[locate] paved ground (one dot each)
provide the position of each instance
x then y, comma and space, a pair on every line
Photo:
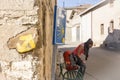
102, 64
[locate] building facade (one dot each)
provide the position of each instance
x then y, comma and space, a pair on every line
100, 20
73, 23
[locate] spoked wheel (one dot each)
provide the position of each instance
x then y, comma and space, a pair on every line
72, 75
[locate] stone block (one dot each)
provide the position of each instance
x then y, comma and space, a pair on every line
4, 66
2, 21
2, 76
16, 4
25, 41
14, 14
21, 69
1, 14
7, 31
22, 65
11, 14
29, 20
17, 69
32, 12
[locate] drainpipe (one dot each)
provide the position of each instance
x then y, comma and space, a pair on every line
54, 47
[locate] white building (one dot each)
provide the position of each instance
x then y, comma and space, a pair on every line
100, 20
73, 23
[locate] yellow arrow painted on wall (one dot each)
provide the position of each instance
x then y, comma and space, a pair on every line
27, 45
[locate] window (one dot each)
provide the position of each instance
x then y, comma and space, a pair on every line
78, 33
102, 29
67, 21
111, 3
111, 27
119, 22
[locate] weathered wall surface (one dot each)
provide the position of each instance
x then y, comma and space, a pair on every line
45, 27
16, 17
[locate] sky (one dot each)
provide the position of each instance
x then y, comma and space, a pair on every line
72, 3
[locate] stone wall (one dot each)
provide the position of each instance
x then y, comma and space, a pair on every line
17, 17
45, 27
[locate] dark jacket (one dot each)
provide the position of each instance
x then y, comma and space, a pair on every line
86, 47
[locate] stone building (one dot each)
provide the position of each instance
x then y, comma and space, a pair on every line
26, 39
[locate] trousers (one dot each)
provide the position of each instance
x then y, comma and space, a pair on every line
75, 60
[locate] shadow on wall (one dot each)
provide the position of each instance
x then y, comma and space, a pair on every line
112, 41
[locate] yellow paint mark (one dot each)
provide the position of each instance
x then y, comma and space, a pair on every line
62, 31
63, 40
27, 45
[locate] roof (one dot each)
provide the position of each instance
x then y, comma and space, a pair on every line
94, 6
79, 7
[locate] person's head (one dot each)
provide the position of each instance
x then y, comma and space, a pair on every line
89, 43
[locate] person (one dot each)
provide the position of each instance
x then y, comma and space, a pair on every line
82, 49
67, 60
